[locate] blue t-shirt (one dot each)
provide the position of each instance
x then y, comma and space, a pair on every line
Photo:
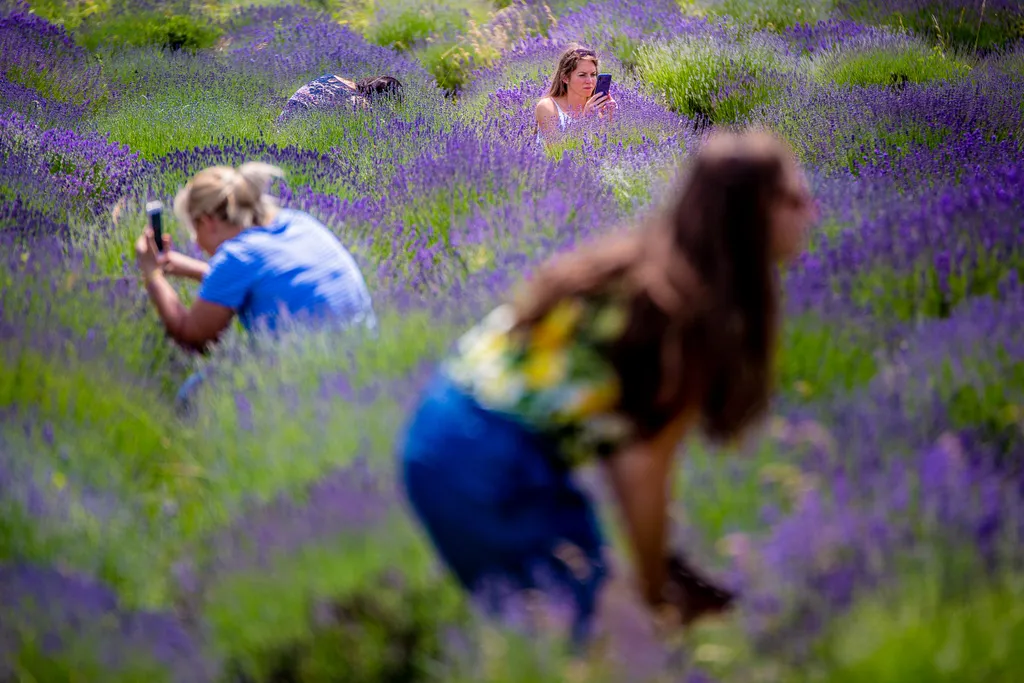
294, 266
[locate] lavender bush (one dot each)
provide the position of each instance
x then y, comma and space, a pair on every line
43, 56
873, 523
886, 60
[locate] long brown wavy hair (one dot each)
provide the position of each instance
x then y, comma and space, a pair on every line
701, 287
567, 62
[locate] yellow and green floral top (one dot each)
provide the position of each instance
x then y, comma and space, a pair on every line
553, 377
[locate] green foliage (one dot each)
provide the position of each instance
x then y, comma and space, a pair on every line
990, 403
961, 24
59, 87
920, 294
771, 14
914, 62
68, 14
403, 25
190, 104
727, 496
448, 62
384, 628
81, 662
817, 359
637, 186
917, 633
702, 78
153, 28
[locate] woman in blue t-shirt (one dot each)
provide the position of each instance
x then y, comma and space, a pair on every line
267, 263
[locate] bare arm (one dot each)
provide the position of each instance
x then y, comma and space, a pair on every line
547, 118
193, 328
185, 266
641, 481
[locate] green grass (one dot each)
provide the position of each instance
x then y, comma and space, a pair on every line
954, 25
403, 25
769, 14
696, 77
915, 62
137, 29
819, 358
723, 493
80, 662
255, 612
199, 106
918, 294
917, 634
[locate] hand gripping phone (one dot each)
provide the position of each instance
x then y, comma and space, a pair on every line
155, 212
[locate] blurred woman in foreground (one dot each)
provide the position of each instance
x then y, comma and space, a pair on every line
613, 353
267, 263
571, 95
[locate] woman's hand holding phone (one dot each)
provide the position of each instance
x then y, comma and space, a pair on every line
169, 262
149, 257
599, 103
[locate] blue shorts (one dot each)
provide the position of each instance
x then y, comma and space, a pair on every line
498, 510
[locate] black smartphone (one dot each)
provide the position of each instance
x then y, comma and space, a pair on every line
155, 212
604, 83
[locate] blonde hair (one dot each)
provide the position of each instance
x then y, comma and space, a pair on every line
571, 57
236, 196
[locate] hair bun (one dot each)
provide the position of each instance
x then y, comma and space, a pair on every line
260, 174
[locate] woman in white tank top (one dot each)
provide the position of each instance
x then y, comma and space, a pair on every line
571, 94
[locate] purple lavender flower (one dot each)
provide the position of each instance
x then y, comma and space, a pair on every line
294, 46
63, 612
74, 169
43, 56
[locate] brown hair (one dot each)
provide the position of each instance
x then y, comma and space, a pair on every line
571, 57
701, 289
381, 86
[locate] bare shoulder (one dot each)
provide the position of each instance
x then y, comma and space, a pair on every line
545, 106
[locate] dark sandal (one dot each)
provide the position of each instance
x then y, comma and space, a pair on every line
699, 596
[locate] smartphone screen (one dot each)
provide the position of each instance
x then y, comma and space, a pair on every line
604, 83
155, 212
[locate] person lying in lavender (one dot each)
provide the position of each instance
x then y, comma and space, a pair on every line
613, 353
571, 95
331, 91
266, 264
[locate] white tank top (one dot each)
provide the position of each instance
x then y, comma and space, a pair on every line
563, 122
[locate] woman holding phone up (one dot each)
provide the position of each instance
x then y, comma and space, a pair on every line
613, 354
571, 95
267, 263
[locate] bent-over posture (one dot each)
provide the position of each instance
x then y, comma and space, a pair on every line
613, 353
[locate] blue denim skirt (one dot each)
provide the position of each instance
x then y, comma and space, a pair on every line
497, 507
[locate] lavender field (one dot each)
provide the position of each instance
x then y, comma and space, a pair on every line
873, 527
